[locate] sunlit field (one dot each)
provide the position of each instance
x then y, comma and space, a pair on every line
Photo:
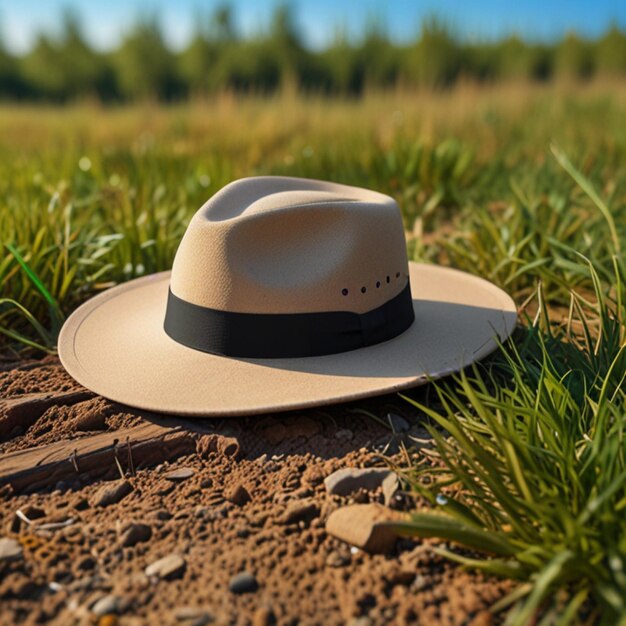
522, 184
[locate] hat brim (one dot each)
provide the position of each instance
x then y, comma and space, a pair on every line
115, 345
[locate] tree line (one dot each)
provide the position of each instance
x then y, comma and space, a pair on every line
218, 58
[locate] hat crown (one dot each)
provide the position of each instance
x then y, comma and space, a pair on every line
291, 245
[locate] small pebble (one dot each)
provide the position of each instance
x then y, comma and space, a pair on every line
178, 475
336, 559
238, 495
193, 616
244, 582
346, 481
108, 605
391, 484
364, 526
10, 550
344, 434
162, 515
170, 566
112, 494
135, 533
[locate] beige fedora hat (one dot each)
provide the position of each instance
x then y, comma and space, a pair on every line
285, 293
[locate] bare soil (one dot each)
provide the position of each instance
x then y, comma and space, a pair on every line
249, 497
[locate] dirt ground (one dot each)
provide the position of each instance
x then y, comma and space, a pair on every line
237, 505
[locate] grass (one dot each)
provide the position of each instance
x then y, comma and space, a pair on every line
531, 474
524, 185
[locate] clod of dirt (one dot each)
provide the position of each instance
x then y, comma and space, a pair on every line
363, 526
226, 446
91, 415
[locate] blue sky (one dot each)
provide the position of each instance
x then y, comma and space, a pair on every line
105, 21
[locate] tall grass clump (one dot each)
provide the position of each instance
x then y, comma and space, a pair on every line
528, 465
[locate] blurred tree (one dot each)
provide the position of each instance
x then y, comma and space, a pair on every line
341, 65
573, 58
42, 69
199, 61
378, 57
516, 60
145, 67
478, 61
285, 46
435, 60
11, 82
217, 58
84, 71
611, 52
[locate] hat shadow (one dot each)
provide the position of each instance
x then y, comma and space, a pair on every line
378, 425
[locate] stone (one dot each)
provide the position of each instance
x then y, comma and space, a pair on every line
299, 512
398, 424
180, 474
347, 480
344, 434
192, 616
112, 494
161, 515
10, 550
364, 526
237, 494
336, 559
244, 582
108, 605
135, 533
360, 621
391, 484
170, 566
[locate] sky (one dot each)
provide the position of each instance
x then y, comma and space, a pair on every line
106, 21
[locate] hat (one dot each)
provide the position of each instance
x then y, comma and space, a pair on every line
285, 293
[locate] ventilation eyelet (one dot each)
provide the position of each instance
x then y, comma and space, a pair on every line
397, 274
363, 289
377, 284
344, 291
388, 279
